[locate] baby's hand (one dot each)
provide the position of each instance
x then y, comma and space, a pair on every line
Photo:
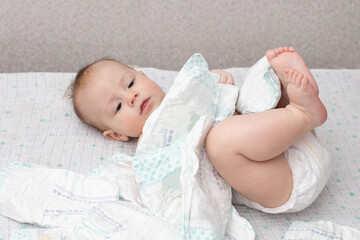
225, 77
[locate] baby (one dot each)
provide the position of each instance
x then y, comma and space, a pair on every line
254, 153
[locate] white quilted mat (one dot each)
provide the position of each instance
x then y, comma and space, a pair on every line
37, 125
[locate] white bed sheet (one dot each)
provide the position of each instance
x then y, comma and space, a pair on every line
38, 125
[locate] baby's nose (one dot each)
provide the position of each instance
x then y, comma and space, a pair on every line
132, 97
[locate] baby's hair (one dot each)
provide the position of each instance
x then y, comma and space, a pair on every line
80, 81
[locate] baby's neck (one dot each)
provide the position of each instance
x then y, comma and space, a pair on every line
137, 144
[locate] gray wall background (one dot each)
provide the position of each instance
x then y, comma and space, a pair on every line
43, 35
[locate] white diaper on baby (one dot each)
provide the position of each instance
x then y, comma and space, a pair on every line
311, 168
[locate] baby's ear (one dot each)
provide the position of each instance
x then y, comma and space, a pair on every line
110, 134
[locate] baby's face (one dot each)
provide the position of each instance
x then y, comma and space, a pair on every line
118, 99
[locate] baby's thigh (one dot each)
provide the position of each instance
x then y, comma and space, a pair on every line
267, 182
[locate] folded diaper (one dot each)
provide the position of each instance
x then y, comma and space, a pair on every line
261, 89
311, 168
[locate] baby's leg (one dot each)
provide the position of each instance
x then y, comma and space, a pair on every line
247, 150
268, 183
265, 135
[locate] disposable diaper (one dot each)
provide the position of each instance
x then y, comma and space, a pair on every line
171, 160
261, 89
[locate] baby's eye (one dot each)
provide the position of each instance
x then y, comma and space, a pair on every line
118, 108
132, 83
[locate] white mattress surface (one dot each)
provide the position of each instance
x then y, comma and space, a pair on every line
38, 125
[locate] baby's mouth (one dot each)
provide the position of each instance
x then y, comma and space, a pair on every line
145, 105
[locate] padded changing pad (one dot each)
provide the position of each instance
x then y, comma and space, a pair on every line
38, 125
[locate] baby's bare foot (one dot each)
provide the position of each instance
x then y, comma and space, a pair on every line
304, 98
286, 57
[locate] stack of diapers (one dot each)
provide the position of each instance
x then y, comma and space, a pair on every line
169, 189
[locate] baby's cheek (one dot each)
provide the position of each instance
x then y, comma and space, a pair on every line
136, 127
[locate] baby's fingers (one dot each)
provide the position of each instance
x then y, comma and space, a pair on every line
223, 78
226, 78
229, 79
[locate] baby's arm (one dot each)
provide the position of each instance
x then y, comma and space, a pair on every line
225, 77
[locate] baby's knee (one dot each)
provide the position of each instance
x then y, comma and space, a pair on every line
217, 142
